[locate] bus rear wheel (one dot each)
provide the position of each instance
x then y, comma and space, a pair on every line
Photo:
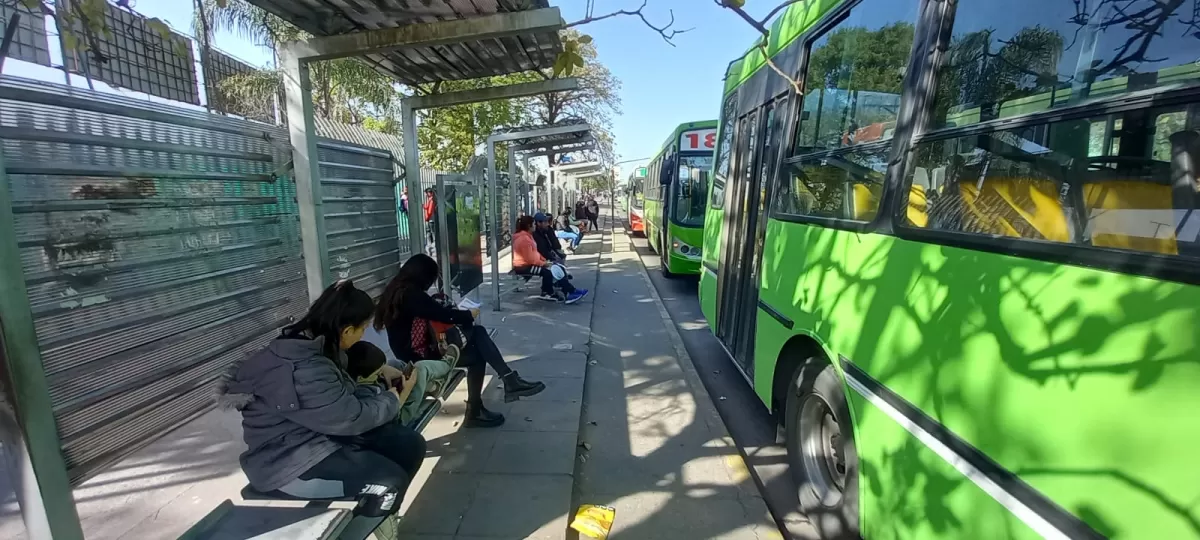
821, 452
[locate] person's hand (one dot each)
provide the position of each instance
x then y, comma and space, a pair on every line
390, 374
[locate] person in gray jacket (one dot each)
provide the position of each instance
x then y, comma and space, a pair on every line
312, 432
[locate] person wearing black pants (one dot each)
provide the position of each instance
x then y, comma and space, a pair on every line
406, 310
313, 433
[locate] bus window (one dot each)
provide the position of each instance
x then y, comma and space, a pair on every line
1105, 182
691, 191
1047, 55
847, 186
854, 77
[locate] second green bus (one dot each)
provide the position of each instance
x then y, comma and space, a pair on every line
677, 194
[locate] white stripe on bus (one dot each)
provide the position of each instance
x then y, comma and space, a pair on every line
1027, 515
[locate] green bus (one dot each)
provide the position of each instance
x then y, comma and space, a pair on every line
677, 197
957, 255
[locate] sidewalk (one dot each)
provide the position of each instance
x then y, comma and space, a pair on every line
619, 424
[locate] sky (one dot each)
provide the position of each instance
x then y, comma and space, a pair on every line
662, 85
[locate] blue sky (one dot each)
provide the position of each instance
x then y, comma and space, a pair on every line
662, 86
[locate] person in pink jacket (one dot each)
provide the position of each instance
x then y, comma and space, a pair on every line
526, 261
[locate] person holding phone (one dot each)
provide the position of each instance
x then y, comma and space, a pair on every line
310, 431
407, 310
366, 363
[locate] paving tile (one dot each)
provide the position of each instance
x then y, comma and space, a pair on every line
519, 506
533, 453
440, 505
464, 451
543, 416
571, 364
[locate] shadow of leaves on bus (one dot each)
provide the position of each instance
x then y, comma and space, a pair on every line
1036, 364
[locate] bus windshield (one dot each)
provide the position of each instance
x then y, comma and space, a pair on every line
691, 189
635, 193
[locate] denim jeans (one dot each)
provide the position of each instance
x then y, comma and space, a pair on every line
573, 238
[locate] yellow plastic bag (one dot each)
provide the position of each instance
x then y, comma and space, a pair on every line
594, 520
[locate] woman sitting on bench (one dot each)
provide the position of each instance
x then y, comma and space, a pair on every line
527, 261
312, 432
406, 309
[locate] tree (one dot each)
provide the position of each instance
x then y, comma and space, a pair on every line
595, 102
346, 89
450, 136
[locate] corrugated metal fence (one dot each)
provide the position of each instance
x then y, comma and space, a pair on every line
360, 204
159, 246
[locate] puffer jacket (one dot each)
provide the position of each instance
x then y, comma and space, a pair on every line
294, 402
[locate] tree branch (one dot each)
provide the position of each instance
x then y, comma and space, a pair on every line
666, 32
761, 26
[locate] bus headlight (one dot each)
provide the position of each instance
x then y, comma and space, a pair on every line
692, 252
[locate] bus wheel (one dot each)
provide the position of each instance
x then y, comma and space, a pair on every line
821, 453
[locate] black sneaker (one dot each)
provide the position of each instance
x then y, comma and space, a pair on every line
480, 417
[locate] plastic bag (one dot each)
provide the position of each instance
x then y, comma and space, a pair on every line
594, 520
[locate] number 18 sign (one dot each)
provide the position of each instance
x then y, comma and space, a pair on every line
698, 139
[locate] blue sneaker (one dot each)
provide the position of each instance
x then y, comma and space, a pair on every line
576, 296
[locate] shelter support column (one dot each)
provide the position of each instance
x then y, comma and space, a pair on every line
306, 169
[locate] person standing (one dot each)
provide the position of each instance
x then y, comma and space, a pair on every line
581, 215
593, 212
430, 208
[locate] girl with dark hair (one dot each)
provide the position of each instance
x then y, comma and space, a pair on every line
406, 309
311, 432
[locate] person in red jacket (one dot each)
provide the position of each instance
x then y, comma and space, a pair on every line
526, 261
430, 224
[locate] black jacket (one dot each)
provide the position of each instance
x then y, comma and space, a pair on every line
419, 304
547, 242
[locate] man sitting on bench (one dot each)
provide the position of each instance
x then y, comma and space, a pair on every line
547, 239
527, 260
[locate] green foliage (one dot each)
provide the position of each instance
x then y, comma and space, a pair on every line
856, 58
345, 90
572, 55
450, 136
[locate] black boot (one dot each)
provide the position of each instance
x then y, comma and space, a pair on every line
480, 417
515, 387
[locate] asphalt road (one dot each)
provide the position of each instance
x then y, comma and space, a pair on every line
748, 420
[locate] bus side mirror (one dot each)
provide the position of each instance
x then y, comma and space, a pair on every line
664, 177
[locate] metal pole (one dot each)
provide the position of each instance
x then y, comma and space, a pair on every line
531, 180
412, 179
43, 487
443, 233
306, 170
494, 241
512, 189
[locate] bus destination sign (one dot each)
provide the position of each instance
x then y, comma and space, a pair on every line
698, 140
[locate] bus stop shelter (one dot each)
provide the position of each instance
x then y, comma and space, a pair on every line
415, 43
422, 43
547, 140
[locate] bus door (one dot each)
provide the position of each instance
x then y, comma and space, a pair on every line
734, 215
756, 229
739, 292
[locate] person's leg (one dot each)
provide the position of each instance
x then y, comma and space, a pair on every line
399, 443
477, 415
514, 386
377, 482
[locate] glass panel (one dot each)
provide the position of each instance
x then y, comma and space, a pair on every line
692, 189
847, 186
1011, 57
1050, 183
724, 150
855, 74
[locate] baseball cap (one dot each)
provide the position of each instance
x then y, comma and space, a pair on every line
540, 217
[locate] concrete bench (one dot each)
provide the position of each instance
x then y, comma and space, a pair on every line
260, 516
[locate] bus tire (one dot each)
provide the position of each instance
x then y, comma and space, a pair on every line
821, 452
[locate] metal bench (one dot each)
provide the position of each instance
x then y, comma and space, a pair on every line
324, 519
